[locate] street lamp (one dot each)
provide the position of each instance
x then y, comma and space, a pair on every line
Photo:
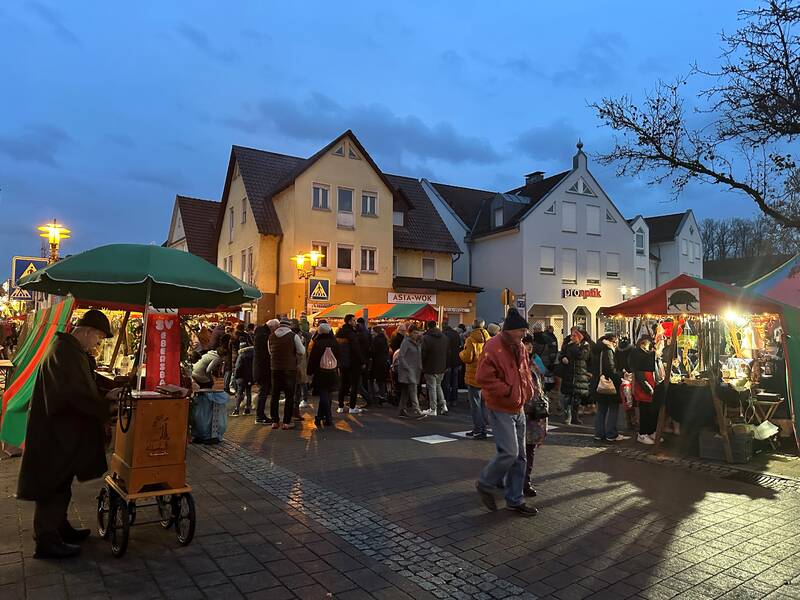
631, 291
54, 234
307, 264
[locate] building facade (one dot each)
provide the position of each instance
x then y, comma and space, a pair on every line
193, 227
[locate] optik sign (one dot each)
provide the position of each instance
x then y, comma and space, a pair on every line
583, 294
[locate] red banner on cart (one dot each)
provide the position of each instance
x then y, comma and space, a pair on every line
163, 350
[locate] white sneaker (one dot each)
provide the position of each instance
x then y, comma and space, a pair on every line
645, 439
429, 413
356, 411
341, 410
619, 438
304, 404
652, 436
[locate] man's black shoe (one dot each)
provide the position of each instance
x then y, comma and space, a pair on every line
55, 548
487, 497
264, 421
470, 433
479, 436
70, 535
524, 510
529, 492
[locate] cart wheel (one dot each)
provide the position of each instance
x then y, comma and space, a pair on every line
185, 519
104, 500
119, 527
131, 512
165, 511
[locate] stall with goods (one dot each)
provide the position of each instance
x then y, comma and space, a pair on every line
148, 463
727, 364
389, 316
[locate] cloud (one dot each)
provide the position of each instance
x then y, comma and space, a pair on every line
201, 41
121, 139
157, 177
598, 61
256, 36
552, 142
320, 118
37, 143
54, 20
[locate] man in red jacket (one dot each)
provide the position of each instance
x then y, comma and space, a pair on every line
505, 380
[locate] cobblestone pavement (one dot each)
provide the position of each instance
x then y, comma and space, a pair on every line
364, 511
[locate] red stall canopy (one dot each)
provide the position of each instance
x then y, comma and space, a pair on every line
692, 295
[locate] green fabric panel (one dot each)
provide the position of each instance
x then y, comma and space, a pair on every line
791, 325
402, 311
340, 311
121, 273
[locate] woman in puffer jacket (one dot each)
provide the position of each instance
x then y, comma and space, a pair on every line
574, 359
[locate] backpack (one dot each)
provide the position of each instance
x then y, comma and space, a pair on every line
328, 361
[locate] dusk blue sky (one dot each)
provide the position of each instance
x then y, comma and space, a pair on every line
110, 109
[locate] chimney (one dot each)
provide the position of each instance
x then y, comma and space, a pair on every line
534, 177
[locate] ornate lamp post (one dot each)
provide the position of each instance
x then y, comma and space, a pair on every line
54, 234
307, 264
629, 291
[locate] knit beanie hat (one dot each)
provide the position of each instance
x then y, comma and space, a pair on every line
514, 320
324, 328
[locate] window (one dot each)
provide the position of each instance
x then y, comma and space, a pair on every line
569, 265
429, 268
593, 267
250, 277
498, 217
698, 252
568, 212
352, 153
230, 225
547, 260
344, 264
612, 265
592, 219
320, 197
639, 242
369, 204
344, 208
244, 211
398, 218
641, 279
339, 151
368, 260
551, 210
609, 217
243, 267
322, 248
394, 266
684, 247
228, 264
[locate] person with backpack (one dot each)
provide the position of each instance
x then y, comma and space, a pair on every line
323, 362
469, 356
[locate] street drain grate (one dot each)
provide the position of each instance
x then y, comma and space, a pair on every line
766, 481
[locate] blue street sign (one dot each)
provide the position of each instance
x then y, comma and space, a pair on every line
319, 290
20, 295
25, 265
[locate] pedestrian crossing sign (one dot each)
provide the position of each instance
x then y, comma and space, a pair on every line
25, 265
20, 295
320, 289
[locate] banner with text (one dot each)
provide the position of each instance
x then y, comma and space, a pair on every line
411, 298
163, 350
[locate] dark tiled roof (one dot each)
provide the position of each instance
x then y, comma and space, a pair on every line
466, 202
424, 228
664, 228
433, 284
741, 271
199, 218
536, 190
261, 173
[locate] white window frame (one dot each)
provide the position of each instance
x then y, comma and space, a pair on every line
244, 211
589, 208
350, 272
638, 234
551, 210
325, 247
565, 272
544, 269
250, 273
340, 189
589, 279
365, 195
231, 217
609, 273
564, 210
402, 218
498, 212
433, 260
684, 247
323, 188
374, 251
243, 266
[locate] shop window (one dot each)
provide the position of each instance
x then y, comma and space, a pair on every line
429, 268
368, 263
569, 267
593, 267
547, 260
319, 197
580, 318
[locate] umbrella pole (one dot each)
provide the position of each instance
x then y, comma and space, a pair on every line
143, 341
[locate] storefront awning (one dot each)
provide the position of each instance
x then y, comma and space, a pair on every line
418, 312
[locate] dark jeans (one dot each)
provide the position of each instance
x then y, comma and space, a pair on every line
450, 385
244, 389
380, 386
263, 394
530, 453
282, 381
50, 514
226, 380
324, 406
648, 417
350, 380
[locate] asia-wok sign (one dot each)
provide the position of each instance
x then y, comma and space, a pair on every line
411, 298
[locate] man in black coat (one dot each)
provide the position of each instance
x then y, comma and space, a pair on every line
65, 436
451, 376
365, 343
435, 348
262, 372
351, 364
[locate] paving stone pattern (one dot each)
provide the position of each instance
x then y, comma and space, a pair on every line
432, 568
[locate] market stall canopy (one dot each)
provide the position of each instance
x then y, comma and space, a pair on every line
122, 275
693, 295
782, 284
418, 312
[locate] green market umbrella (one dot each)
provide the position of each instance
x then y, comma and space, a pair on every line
140, 276
130, 274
